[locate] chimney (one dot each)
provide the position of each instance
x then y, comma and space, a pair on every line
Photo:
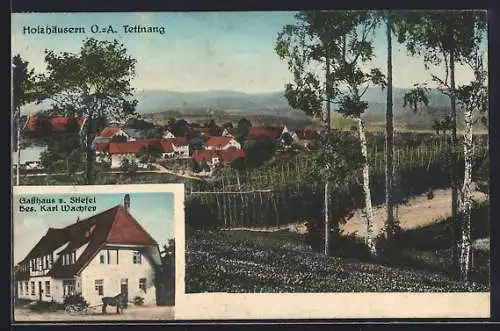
77, 219
126, 202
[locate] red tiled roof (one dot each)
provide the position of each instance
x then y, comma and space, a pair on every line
57, 123
264, 132
112, 226
218, 141
134, 146
109, 132
232, 154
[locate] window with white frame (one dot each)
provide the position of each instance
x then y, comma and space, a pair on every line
39, 263
20, 287
47, 288
33, 288
68, 287
26, 287
142, 284
136, 257
99, 286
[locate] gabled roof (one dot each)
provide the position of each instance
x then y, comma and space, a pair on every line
134, 146
265, 132
57, 123
109, 132
112, 226
218, 141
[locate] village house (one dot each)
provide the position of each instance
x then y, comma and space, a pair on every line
108, 133
128, 150
215, 157
101, 256
307, 138
117, 152
175, 147
56, 124
222, 143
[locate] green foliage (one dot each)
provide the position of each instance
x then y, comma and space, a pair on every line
165, 275
259, 151
129, 166
149, 154
94, 82
243, 129
435, 34
417, 95
23, 82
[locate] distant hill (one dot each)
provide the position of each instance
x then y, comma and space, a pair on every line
272, 105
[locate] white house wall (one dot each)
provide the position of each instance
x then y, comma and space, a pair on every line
111, 274
56, 289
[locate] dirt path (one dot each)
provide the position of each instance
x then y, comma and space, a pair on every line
130, 314
419, 211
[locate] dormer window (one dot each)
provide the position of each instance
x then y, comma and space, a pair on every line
69, 258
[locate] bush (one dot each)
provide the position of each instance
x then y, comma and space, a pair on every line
138, 301
76, 300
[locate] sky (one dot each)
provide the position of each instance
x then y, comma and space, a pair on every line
154, 211
199, 51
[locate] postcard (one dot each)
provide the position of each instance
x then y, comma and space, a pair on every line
95, 253
335, 163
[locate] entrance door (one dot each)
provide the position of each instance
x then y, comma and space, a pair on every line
124, 287
40, 291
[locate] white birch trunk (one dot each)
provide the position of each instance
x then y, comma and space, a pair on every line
327, 225
366, 188
465, 206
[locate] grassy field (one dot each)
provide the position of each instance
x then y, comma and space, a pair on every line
273, 262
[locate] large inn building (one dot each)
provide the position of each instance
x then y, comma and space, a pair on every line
103, 255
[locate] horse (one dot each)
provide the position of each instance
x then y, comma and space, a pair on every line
119, 301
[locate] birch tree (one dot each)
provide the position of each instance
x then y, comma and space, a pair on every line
444, 39
325, 51
352, 75
308, 48
474, 100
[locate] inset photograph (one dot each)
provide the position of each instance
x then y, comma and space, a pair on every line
94, 254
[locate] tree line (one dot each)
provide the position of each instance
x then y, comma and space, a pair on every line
329, 52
